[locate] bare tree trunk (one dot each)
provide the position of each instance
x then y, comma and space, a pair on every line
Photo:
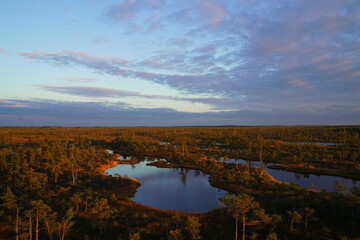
63, 233
236, 227
86, 204
73, 174
4, 160
49, 229
243, 227
30, 228
37, 228
17, 223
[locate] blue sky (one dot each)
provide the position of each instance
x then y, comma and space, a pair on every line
188, 62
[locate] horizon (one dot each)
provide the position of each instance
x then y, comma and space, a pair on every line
177, 126
161, 63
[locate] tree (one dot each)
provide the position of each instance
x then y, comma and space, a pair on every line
65, 225
295, 217
9, 199
175, 234
56, 168
339, 187
354, 197
102, 211
29, 214
242, 206
32, 181
275, 221
9, 202
193, 226
134, 236
76, 199
42, 213
272, 236
308, 212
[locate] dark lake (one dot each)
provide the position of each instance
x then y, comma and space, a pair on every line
170, 188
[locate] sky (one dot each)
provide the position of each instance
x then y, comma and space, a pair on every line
179, 62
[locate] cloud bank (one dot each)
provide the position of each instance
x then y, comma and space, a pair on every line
22, 112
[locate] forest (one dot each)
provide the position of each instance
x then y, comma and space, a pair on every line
53, 184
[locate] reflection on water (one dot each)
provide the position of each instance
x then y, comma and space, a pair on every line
312, 181
169, 188
109, 151
127, 158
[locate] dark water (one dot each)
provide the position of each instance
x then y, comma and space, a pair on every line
168, 188
312, 181
317, 143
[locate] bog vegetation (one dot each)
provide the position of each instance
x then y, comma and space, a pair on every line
53, 186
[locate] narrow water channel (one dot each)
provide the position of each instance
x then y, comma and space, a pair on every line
313, 181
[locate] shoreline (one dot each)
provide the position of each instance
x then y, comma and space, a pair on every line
103, 167
113, 163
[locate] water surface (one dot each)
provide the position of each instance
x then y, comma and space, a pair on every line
170, 188
318, 143
190, 191
312, 181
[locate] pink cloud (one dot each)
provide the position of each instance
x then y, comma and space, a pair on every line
300, 83
214, 13
79, 80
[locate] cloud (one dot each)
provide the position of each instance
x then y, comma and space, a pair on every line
126, 9
100, 40
299, 83
28, 112
2, 51
100, 92
108, 65
79, 80
137, 15
196, 83
180, 41
213, 12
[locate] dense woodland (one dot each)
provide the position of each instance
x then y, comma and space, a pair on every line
53, 186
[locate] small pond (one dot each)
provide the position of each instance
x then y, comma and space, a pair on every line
171, 188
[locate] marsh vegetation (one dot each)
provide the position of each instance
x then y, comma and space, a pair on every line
53, 184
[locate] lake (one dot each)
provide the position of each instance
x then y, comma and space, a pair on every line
190, 191
171, 188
